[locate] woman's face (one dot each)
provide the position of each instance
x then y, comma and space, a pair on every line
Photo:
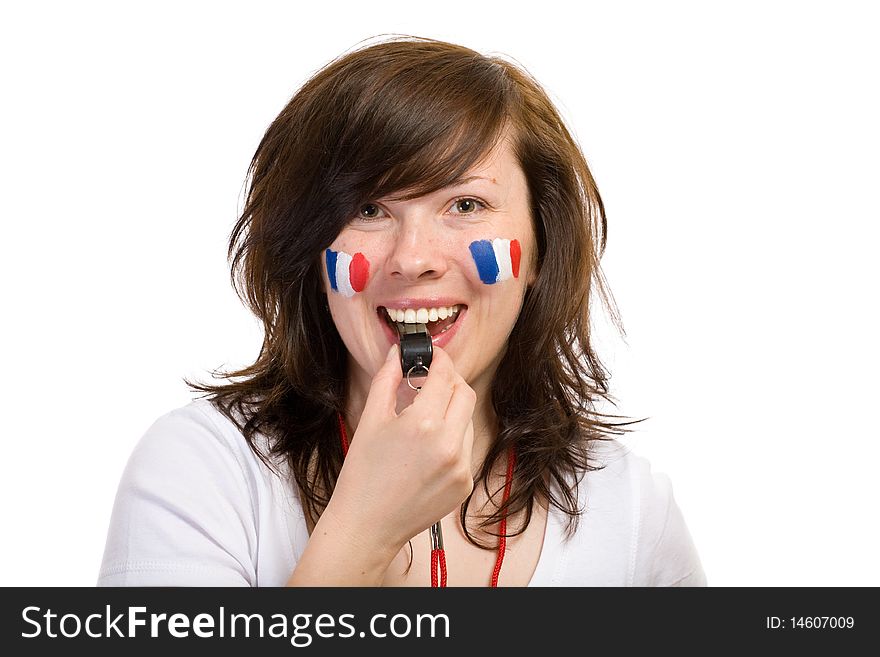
469, 246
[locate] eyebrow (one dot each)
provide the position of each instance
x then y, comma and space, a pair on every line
462, 181
454, 183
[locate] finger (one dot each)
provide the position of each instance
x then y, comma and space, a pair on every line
459, 419
460, 411
437, 386
382, 398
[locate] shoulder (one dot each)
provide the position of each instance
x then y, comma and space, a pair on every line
638, 506
199, 438
197, 425
186, 504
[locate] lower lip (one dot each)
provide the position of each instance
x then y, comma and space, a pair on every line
437, 340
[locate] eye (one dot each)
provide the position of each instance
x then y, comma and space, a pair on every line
468, 205
369, 211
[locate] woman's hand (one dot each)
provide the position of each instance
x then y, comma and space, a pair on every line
404, 472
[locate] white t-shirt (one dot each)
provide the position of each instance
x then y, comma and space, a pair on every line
196, 507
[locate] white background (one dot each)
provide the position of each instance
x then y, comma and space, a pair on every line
736, 148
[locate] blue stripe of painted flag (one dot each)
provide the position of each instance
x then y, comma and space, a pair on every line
484, 256
331, 267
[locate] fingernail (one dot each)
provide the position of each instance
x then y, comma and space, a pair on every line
391, 352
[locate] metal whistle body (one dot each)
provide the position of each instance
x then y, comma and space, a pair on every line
416, 351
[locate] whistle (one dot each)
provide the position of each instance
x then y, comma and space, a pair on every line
416, 351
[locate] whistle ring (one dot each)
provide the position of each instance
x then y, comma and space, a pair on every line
409, 374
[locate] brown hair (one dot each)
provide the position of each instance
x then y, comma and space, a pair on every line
416, 114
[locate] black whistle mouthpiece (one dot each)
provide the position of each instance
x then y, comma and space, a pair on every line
416, 349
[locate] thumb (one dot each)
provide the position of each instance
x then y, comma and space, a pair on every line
382, 398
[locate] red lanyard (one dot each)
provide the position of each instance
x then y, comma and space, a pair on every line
438, 557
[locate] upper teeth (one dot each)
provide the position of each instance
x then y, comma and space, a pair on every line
420, 316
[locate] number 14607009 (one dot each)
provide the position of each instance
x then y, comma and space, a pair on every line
810, 622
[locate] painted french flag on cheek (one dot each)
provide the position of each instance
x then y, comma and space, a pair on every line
348, 274
497, 260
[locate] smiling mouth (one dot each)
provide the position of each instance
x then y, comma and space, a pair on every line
435, 327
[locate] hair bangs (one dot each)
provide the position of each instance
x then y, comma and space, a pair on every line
439, 164
418, 126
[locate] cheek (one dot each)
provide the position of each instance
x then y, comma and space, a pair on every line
348, 273
496, 259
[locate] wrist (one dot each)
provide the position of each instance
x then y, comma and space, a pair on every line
374, 550
339, 554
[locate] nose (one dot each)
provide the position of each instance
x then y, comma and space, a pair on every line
417, 253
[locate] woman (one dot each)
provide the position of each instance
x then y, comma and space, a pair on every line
409, 182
